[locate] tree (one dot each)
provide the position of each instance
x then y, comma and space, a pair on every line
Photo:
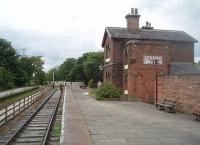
16, 70
26, 63
8, 65
91, 66
38, 63
87, 67
25, 70
83, 69
26, 67
65, 69
21, 77
57, 75
6, 79
8, 56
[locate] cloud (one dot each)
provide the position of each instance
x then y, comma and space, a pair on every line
54, 48
59, 29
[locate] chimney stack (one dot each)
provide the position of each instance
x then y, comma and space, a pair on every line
132, 11
147, 26
133, 20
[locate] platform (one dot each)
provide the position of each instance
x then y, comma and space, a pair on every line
123, 123
74, 131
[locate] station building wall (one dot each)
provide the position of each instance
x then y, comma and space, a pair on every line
182, 88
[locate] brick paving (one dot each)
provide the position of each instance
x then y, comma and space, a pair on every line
125, 123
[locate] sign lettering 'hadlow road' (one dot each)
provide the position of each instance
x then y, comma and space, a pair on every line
151, 59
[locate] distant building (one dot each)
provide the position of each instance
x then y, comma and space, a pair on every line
134, 55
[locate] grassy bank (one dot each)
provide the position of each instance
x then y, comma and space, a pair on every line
11, 99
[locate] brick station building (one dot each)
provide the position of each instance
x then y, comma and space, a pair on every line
134, 55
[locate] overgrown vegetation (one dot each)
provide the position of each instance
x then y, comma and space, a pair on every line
17, 70
108, 91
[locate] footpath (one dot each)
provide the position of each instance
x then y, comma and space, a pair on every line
87, 121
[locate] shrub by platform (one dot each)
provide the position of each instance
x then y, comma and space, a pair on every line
107, 91
91, 83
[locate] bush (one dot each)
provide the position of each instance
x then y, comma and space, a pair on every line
91, 83
107, 91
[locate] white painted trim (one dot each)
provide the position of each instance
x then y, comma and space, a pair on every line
62, 137
125, 92
126, 66
107, 59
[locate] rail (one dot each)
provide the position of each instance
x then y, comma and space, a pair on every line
14, 109
28, 122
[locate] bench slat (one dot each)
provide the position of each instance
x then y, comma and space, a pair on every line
167, 104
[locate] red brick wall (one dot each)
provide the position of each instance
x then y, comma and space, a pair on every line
184, 89
181, 52
117, 51
141, 77
114, 66
109, 42
133, 23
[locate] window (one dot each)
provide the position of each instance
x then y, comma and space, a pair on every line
125, 51
107, 51
125, 77
108, 75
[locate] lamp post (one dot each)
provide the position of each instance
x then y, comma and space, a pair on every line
156, 69
33, 78
53, 79
53, 76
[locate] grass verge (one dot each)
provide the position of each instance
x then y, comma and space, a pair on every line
56, 132
11, 99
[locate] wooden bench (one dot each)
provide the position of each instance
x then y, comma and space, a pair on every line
167, 104
196, 112
160, 105
83, 86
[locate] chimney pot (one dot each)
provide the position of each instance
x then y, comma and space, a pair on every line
132, 11
133, 20
147, 26
147, 23
136, 11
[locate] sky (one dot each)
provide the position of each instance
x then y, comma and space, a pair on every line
60, 29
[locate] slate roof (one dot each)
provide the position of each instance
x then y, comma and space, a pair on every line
180, 68
146, 34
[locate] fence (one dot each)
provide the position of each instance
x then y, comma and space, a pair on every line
14, 109
15, 91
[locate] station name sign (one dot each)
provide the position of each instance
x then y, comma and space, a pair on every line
151, 59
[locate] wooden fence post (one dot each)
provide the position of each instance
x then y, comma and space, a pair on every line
24, 104
13, 110
6, 113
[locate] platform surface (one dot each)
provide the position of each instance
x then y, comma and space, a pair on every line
74, 130
89, 121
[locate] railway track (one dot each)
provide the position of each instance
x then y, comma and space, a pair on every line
35, 131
